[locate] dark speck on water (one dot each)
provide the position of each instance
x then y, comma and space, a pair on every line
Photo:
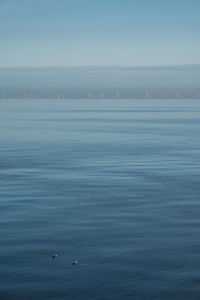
112, 182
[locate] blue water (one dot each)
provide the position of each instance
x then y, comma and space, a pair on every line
114, 184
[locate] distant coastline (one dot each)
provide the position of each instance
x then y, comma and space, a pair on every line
99, 82
75, 93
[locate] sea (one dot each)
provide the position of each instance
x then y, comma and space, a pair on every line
111, 184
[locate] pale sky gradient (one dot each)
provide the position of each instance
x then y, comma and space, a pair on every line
36, 33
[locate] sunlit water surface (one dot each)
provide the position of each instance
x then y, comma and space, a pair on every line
114, 184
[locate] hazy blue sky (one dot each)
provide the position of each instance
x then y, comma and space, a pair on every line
99, 32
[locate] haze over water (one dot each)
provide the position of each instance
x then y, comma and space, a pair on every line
113, 184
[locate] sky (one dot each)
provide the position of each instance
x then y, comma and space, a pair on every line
39, 33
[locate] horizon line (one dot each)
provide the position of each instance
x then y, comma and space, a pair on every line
100, 66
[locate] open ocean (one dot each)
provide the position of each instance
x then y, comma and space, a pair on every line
114, 184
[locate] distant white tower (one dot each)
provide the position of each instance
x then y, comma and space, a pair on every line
162, 95
178, 95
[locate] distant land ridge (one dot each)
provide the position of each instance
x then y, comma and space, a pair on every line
63, 93
98, 82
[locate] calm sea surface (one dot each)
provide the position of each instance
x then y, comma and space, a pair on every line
114, 184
